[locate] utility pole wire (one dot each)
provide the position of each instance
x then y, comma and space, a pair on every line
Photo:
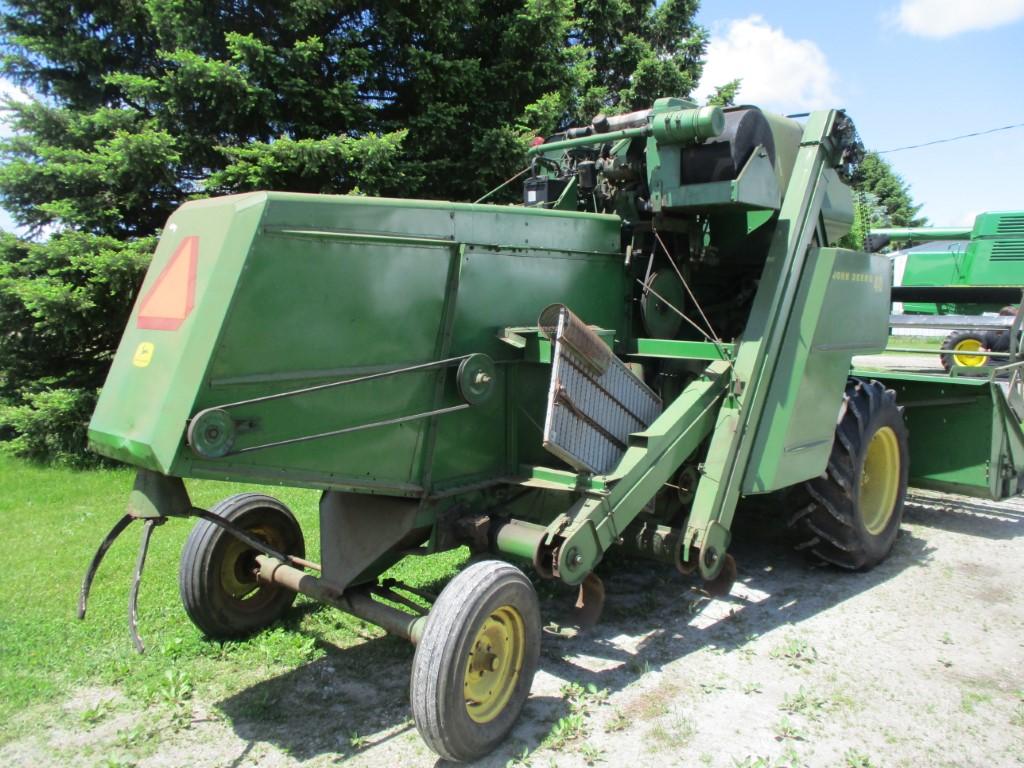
952, 138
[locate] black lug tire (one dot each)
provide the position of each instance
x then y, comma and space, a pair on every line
826, 521
211, 607
439, 666
956, 337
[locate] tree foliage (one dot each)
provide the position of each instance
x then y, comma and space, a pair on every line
881, 199
140, 105
725, 95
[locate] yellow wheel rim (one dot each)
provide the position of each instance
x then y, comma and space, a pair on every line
494, 664
238, 564
968, 345
880, 480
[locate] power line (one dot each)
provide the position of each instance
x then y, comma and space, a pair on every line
953, 138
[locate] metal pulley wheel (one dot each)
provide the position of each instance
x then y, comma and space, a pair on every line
661, 321
211, 434
686, 484
476, 376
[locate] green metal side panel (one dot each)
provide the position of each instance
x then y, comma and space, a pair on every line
1008, 224
963, 436
996, 262
142, 410
935, 268
836, 207
315, 289
994, 256
841, 310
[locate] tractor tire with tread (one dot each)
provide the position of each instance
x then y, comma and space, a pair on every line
217, 576
475, 662
957, 348
850, 515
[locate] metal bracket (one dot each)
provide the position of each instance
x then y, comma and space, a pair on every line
153, 500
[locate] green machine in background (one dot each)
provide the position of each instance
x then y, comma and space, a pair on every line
980, 406
988, 253
660, 330
969, 271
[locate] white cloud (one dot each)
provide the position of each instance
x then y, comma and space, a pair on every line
12, 91
945, 18
778, 72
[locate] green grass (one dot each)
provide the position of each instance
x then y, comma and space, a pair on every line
923, 343
52, 520
916, 342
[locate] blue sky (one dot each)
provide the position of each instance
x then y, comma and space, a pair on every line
907, 71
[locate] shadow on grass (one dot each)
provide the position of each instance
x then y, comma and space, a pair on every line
356, 698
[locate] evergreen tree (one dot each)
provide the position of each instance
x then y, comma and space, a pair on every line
725, 95
140, 105
881, 199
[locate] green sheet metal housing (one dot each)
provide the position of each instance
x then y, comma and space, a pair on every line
993, 255
842, 303
298, 290
965, 437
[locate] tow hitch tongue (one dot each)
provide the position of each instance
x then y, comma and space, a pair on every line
140, 561
154, 499
149, 523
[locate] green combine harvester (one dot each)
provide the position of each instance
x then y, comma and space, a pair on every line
660, 330
969, 272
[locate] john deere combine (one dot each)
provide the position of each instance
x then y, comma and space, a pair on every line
969, 272
660, 330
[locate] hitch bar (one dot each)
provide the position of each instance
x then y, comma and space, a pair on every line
274, 568
149, 523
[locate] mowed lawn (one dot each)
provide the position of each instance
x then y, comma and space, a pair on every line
52, 519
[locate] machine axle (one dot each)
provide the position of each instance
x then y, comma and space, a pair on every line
354, 601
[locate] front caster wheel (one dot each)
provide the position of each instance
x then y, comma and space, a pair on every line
475, 661
218, 571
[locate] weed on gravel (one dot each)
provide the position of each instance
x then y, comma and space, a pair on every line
795, 652
673, 735
805, 703
854, 758
582, 700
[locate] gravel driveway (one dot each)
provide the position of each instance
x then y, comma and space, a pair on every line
917, 663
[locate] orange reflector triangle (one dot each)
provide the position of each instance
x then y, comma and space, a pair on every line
173, 294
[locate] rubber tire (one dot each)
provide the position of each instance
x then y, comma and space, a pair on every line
216, 613
950, 342
438, 669
827, 524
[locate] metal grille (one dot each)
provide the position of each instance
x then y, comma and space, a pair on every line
594, 401
1008, 249
1010, 225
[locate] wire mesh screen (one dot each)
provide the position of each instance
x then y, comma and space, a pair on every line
594, 402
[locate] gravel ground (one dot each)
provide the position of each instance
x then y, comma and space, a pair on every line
896, 362
917, 663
